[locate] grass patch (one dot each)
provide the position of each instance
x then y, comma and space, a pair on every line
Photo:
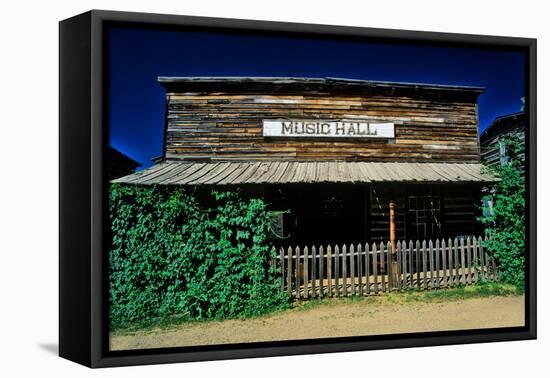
485, 289
479, 290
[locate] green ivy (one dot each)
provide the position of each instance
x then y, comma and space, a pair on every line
172, 256
506, 226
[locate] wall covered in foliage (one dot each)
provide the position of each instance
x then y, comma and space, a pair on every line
506, 226
171, 255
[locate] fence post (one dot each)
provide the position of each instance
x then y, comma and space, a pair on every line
299, 271
462, 262
456, 278
437, 251
383, 269
424, 266
392, 273
404, 261
431, 254
306, 271
282, 258
345, 271
352, 267
367, 268
360, 286
321, 271
375, 267
417, 256
337, 270
476, 258
411, 262
481, 257
313, 272
289, 272
329, 270
444, 262
389, 269
469, 260
399, 265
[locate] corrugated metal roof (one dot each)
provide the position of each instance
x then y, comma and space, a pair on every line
284, 172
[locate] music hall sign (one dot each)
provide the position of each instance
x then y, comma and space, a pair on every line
327, 129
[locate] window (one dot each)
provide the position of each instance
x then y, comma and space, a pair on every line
423, 217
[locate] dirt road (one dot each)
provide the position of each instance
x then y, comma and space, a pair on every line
337, 319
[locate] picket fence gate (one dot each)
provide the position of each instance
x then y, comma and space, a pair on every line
363, 269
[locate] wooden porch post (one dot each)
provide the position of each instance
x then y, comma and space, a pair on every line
393, 273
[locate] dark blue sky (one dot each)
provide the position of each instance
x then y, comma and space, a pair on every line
137, 57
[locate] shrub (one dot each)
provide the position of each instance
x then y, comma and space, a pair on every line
170, 255
506, 226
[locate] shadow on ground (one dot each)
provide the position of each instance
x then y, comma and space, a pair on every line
51, 348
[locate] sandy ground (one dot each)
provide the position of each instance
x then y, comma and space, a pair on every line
337, 319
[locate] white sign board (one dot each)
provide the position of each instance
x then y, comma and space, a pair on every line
327, 129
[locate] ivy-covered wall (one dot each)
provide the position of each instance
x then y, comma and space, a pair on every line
171, 255
506, 226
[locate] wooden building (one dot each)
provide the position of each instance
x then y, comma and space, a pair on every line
493, 138
118, 164
334, 152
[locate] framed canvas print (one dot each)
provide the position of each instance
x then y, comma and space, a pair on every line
233, 188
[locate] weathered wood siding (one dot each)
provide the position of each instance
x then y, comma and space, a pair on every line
502, 127
228, 126
455, 209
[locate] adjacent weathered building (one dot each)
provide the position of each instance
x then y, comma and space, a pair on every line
334, 152
118, 164
493, 138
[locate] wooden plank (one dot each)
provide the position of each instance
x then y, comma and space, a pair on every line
388, 267
375, 253
367, 269
299, 271
400, 265
383, 270
411, 263
424, 266
456, 261
481, 257
462, 262
444, 262
289, 271
352, 268
321, 271
406, 271
469, 260
329, 270
451, 261
306, 271
360, 286
314, 272
417, 256
337, 270
431, 258
475, 249
344, 271
282, 260
437, 252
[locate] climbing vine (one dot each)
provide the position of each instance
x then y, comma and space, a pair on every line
173, 255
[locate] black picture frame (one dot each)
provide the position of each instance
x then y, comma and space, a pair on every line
82, 196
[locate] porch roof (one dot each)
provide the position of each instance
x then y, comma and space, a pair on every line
296, 172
